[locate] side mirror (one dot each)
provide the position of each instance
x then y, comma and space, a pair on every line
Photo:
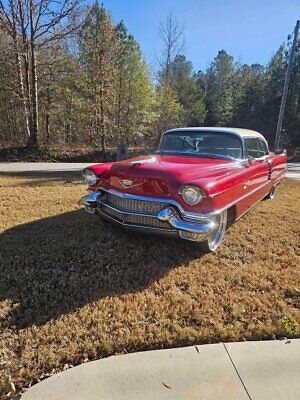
250, 160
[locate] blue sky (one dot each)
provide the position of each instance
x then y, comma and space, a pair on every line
250, 30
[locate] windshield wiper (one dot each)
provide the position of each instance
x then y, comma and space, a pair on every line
216, 156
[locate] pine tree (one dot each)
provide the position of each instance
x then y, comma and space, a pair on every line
167, 109
275, 74
249, 97
134, 90
98, 49
219, 94
189, 95
291, 122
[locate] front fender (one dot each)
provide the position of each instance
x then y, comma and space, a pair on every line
101, 170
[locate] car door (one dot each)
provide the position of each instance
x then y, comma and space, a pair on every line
257, 183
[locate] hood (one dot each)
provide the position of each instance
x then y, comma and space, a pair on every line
164, 174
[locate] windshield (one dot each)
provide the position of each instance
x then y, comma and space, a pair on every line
202, 144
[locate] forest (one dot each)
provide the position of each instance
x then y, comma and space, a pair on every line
73, 78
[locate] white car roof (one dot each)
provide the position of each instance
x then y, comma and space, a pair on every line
238, 131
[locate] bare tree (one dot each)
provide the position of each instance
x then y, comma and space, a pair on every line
11, 121
172, 37
32, 25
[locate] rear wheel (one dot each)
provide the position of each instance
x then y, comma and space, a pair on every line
212, 243
271, 194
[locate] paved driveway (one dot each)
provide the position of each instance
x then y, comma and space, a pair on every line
11, 167
293, 171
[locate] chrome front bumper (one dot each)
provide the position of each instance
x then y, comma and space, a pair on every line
170, 219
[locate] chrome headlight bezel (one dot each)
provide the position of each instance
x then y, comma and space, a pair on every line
192, 195
90, 177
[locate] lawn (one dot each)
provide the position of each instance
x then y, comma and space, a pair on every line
73, 288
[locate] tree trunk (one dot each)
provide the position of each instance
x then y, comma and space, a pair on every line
23, 93
48, 117
102, 121
68, 124
27, 91
103, 146
33, 141
70, 110
120, 105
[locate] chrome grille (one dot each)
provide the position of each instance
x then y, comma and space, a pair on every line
135, 219
134, 205
133, 211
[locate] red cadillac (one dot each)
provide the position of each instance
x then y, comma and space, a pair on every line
198, 182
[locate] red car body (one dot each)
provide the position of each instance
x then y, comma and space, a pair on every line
226, 184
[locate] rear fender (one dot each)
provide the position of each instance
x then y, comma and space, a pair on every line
278, 166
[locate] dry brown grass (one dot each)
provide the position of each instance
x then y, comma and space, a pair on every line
73, 288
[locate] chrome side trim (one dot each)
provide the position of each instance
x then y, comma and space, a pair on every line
253, 205
248, 209
237, 200
281, 174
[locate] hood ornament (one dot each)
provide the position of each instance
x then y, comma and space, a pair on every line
140, 162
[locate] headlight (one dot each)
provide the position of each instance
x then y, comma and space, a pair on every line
90, 177
191, 194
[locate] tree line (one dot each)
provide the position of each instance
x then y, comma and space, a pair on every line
71, 77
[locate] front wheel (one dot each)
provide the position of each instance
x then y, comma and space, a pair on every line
212, 243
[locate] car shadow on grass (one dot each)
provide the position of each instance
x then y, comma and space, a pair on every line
56, 265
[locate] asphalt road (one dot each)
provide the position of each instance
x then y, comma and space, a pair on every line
11, 167
293, 171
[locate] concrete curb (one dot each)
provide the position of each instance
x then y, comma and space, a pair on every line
268, 370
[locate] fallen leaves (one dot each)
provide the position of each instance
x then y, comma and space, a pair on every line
166, 386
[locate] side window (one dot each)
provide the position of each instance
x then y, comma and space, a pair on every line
256, 148
263, 148
252, 147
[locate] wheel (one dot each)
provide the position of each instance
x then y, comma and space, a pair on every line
213, 242
271, 194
